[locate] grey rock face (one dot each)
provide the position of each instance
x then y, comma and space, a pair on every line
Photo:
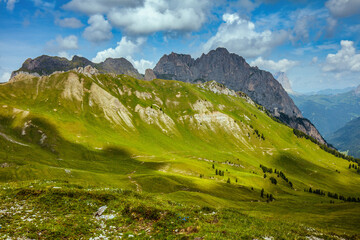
46, 65
118, 66
284, 81
232, 71
235, 73
149, 75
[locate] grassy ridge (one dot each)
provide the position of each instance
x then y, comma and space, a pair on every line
208, 131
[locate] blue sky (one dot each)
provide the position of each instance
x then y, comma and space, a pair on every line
315, 42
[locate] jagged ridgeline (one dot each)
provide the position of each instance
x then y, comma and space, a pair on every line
201, 144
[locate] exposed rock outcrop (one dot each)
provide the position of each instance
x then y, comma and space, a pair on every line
149, 75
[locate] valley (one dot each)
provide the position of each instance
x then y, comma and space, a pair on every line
159, 150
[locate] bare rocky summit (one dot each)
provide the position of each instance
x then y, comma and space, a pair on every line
46, 65
284, 81
235, 73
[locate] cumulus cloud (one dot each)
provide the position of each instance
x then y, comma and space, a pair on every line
346, 59
343, 8
64, 54
5, 77
69, 23
240, 36
141, 65
124, 48
10, 4
160, 15
91, 7
67, 43
99, 29
146, 16
60, 45
282, 65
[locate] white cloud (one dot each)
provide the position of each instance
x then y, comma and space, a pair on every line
301, 28
141, 65
5, 77
124, 48
92, 7
343, 8
65, 54
67, 43
160, 15
69, 23
240, 36
10, 4
62, 44
282, 65
99, 29
146, 16
346, 59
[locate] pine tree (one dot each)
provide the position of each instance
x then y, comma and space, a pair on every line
262, 193
213, 166
216, 172
271, 197
350, 166
228, 181
264, 175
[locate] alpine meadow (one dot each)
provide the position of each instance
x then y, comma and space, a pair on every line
160, 119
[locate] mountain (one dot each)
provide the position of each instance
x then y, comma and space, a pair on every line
284, 81
161, 158
235, 73
329, 112
46, 65
160, 155
347, 138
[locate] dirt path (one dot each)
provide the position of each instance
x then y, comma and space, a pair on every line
138, 187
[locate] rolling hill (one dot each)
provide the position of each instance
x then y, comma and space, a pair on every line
202, 157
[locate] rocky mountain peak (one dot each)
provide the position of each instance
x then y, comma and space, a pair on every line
284, 81
46, 65
235, 73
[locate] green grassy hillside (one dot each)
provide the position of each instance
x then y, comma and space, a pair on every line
168, 139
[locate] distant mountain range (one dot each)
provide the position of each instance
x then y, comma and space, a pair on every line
329, 112
347, 138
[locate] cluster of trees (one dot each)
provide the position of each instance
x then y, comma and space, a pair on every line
282, 175
259, 135
316, 191
269, 197
333, 195
356, 167
273, 180
265, 169
219, 172
324, 147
